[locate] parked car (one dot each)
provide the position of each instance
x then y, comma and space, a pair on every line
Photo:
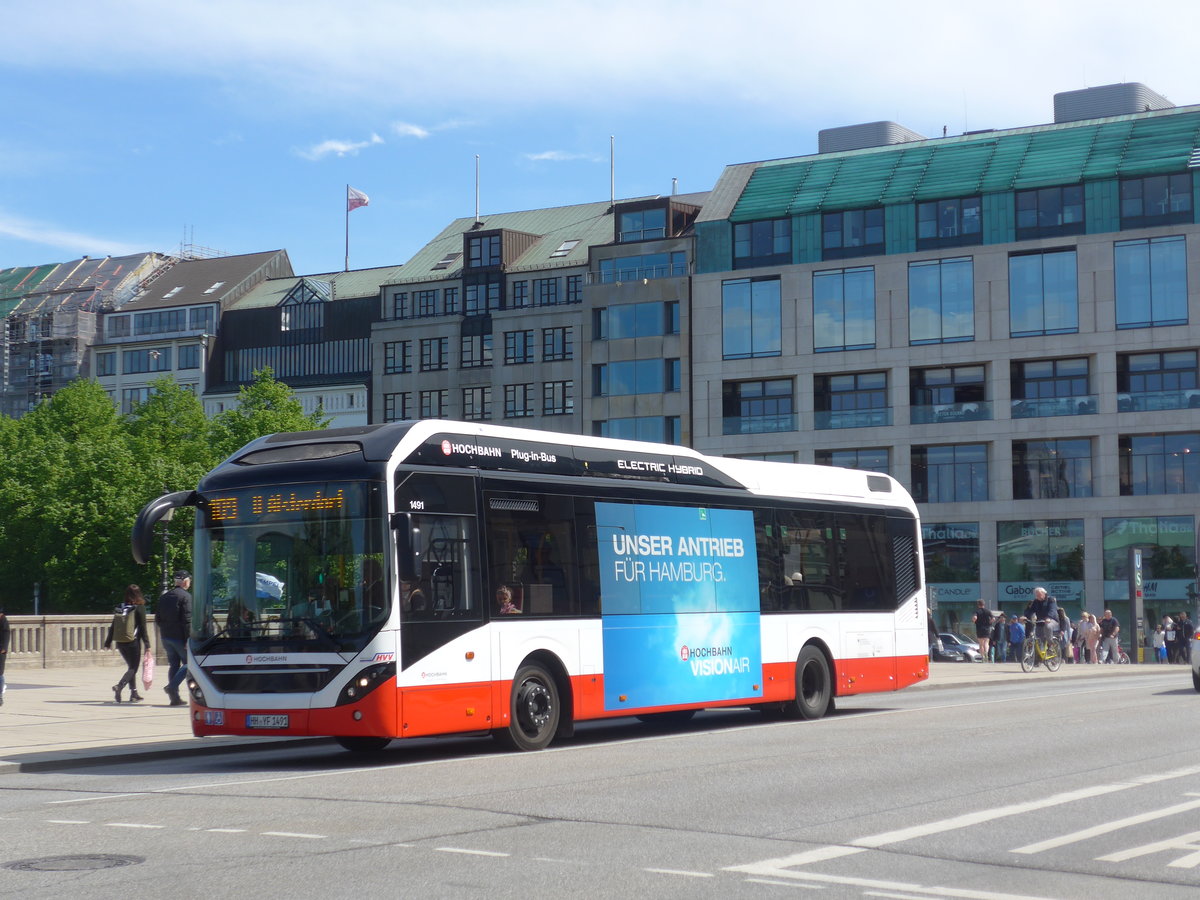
963, 644
939, 652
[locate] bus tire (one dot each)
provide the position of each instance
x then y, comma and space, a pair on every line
362, 744
814, 686
533, 710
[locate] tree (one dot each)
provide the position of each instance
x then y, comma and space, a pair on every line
265, 406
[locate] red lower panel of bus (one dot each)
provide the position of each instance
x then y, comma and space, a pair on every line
457, 708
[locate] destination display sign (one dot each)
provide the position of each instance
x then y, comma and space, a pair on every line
503, 454
284, 503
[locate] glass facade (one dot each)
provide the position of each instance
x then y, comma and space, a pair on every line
954, 473
1050, 470
1043, 293
844, 309
751, 324
941, 301
1046, 552
1151, 282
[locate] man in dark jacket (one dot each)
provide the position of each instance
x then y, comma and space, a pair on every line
174, 617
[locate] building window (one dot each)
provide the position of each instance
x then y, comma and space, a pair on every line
518, 347
117, 326
629, 320
477, 403
400, 305
757, 407
1040, 550
520, 294
853, 400
751, 324
1156, 200
435, 354
106, 363
869, 459
545, 291
136, 362
425, 303
764, 243
1151, 282
954, 473
635, 376
855, 232
132, 398
1052, 470
844, 309
200, 318
557, 344
1159, 464
574, 289
948, 394
565, 248
643, 267
189, 356
558, 398
1156, 381
660, 430
475, 351
642, 225
1051, 387
518, 401
397, 357
483, 251
482, 297
166, 321
941, 301
949, 223
450, 299
1168, 545
1043, 294
397, 407
433, 404
1050, 212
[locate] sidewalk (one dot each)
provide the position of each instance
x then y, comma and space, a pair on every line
64, 718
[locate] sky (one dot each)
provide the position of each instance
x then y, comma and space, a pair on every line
236, 125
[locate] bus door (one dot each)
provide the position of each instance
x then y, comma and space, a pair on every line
445, 659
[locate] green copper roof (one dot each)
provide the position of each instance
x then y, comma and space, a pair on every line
1144, 144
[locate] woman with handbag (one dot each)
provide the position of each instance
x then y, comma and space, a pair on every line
129, 632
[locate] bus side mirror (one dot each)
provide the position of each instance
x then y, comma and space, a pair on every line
406, 564
142, 537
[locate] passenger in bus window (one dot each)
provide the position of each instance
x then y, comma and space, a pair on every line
504, 601
241, 617
413, 598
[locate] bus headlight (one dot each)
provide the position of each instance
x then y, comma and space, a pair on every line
194, 690
366, 681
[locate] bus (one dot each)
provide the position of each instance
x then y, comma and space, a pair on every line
435, 577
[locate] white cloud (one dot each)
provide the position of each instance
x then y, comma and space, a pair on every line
72, 242
338, 148
407, 129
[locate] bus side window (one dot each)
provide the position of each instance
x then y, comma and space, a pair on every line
532, 551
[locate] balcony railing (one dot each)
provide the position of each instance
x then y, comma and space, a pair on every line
974, 411
1151, 401
853, 418
759, 424
1054, 406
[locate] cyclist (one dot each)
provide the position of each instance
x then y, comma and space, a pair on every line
1043, 610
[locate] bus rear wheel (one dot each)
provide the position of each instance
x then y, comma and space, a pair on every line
360, 744
814, 686
534, 710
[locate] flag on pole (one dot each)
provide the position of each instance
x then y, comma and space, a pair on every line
355, 199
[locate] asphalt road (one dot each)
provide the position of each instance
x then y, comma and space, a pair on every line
1055, 789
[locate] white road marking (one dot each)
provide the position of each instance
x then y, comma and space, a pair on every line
470, 852
1190, 841
916, 889
68, 821
1096, 830
226, 830
682, 872
791, 884
131, 825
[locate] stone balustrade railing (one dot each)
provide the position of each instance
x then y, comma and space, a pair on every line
59, 642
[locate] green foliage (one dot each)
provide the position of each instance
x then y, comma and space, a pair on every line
74, 474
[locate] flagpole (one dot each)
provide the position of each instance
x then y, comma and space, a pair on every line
347, 205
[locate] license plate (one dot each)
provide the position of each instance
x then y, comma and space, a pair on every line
266, 721
214, 717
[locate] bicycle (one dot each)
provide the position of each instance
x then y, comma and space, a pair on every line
1035, 649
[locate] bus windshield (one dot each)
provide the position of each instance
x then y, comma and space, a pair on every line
298, 566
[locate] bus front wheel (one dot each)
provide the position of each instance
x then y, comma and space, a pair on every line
814, 686
534, 710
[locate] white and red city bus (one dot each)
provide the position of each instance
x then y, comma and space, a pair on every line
437, 577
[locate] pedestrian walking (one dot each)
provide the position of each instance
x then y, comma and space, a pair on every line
1109, 629
1091, 638
128, 631
1184, 630
1160, 644
1066, 634
983, 627
174, 617
1000, 639
1016, 636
